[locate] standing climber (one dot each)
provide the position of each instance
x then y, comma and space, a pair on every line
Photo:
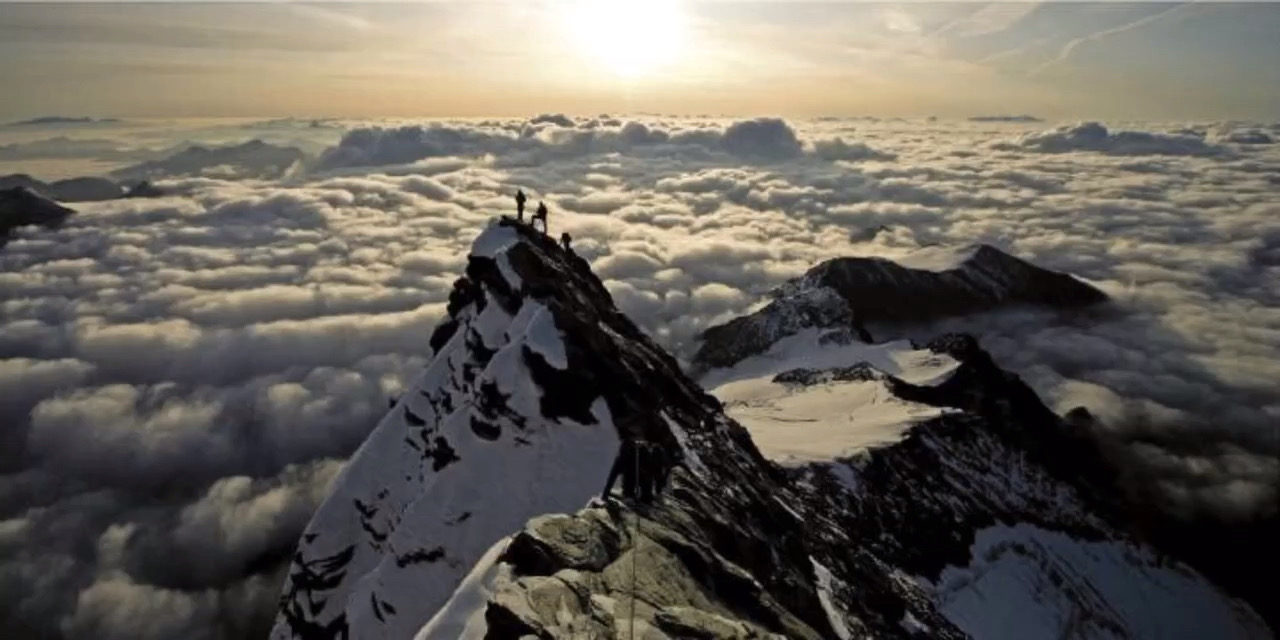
540, 214
565, 240
642, 466
625, 465
520, 198
653, 464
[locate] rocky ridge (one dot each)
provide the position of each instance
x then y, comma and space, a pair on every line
463, 514
931, 284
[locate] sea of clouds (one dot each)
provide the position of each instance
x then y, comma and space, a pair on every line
181, 377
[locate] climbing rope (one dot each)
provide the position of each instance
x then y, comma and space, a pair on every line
635, 541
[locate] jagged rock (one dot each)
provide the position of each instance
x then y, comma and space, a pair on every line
687, 622
551, 543
20, 206
933, 283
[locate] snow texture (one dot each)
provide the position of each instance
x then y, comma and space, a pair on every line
796, 424
827, 599
462, 617
544, 338
493, 240
445, 474
1028, 582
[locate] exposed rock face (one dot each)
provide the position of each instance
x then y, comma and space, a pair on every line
20, 206
468, 513
854, 292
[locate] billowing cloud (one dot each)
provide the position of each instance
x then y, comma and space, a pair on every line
183, 376
557, 137
1093, 136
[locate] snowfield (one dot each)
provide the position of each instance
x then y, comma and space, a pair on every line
1026, 582
796, 424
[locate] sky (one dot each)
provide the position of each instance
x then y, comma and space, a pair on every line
799, 59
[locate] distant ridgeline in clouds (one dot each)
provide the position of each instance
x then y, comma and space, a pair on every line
62, 120
1022, 118
182, 377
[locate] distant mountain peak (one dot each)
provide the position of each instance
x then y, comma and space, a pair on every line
926, 285
21, 205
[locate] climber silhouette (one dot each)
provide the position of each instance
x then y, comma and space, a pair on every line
642, 466
540, 214
565, 240
520, 198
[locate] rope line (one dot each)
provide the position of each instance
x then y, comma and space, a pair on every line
635, 541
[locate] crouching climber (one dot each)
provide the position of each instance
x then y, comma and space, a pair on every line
643, 467
540, 214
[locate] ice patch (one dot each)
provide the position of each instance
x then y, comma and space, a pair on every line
845, 474
805, 349
914, 626
544, 337
828, 603
821, 422
1028, 582
492, 240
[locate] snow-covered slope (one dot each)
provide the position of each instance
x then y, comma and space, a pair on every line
468, 512
804, 400
1028, 582
992, 503
931, 283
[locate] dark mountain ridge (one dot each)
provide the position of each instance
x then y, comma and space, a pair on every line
461, 516
937, 283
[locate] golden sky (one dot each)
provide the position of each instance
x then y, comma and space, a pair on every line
1139, 60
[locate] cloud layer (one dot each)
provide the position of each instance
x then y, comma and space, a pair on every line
183, 376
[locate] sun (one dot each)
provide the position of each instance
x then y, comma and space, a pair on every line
631, 38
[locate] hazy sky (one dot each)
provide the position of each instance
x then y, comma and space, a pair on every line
1057, 60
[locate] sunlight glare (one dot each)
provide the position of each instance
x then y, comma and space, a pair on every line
631, 38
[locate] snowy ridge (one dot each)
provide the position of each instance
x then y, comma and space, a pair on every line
421, 495
1028, 582
931, 505
855, 293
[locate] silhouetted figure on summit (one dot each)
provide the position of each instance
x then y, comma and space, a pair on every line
520, 198
565, 240
540, 214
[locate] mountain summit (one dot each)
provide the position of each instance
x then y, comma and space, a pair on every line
929, 284
21, 206
469, 511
